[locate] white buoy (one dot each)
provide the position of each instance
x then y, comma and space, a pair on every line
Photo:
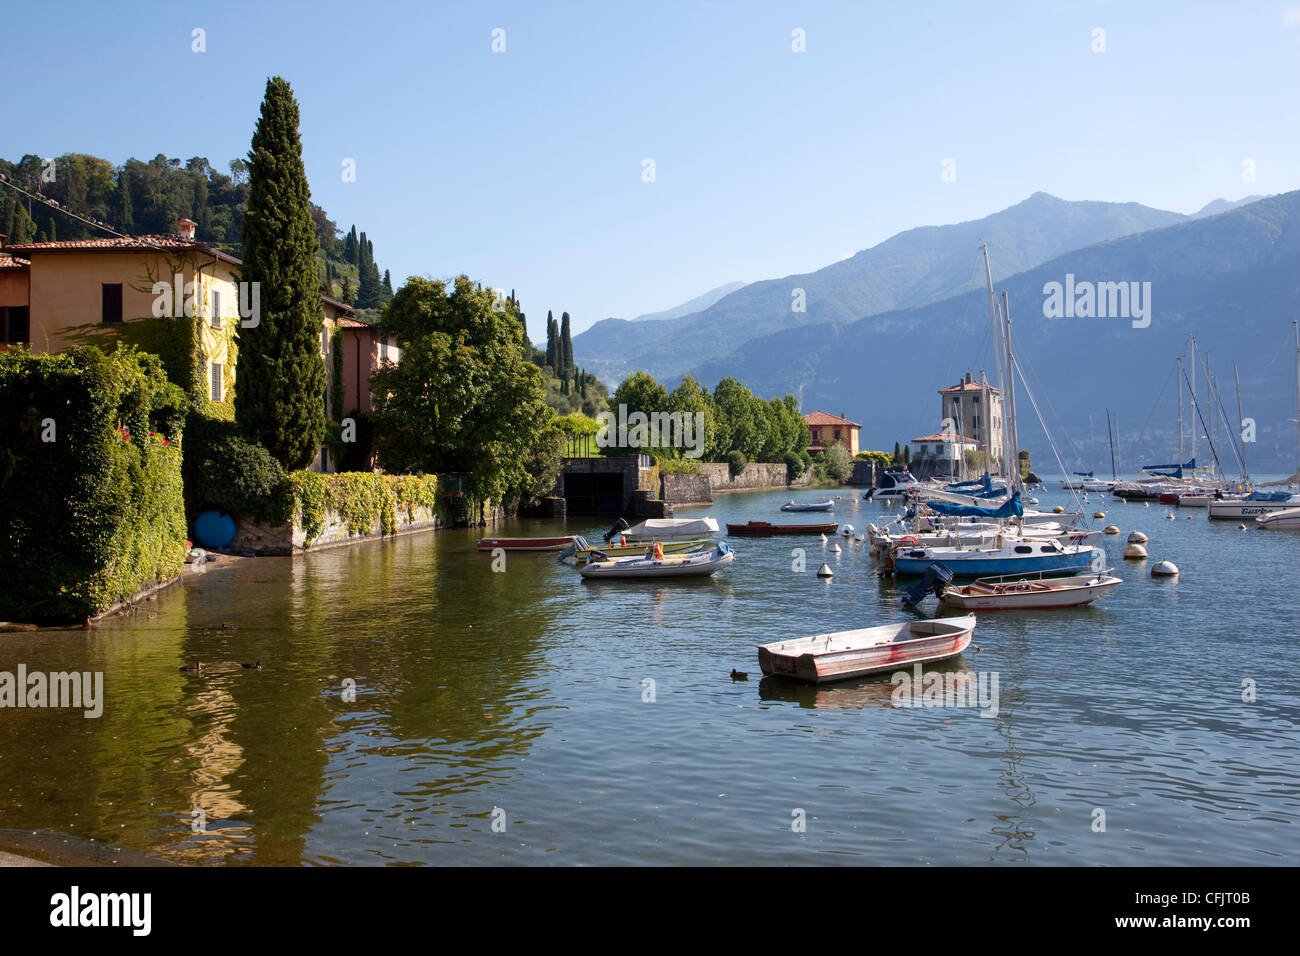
1170, 516
1241, 527
1033, 501
846, 529
1137, 537
824, 540
825, 571
1135, 552
1147, 503
835, 548
873, 529
1111, 529
1164, 569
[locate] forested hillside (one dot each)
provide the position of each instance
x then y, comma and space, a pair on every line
147, 198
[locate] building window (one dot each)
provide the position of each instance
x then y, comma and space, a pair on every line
383, 349
975, 399
976, 420
112, 302
14, 327
216, 309
215, 390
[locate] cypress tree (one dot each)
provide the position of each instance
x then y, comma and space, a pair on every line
278, 401
125, 216
566, 344
386, 288
550, 339
350, 246
369, 287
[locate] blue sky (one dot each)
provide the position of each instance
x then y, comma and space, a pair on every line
524, 168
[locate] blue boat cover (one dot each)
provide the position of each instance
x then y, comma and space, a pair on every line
1011, 508
1268, 496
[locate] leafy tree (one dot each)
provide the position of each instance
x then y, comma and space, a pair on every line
839, 464
734, 413
641, 393
281, 373
463, 399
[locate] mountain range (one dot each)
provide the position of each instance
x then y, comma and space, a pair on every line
887, 328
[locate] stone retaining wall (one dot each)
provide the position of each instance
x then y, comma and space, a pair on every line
252, 537
755, 476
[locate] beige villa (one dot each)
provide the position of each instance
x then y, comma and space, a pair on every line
57, 294
830, 430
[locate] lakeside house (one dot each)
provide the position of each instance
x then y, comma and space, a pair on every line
830, 430
54, 295
965, 410
940, 456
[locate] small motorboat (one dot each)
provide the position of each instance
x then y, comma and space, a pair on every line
1015, 592
764, 528
1288, 518
808, 506
526, 544
702, 563
581, 550
869, 650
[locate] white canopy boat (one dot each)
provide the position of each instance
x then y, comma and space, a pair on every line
1018, 592
868, 650
669, 566
670, 529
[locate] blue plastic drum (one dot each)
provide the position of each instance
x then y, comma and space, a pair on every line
214, 529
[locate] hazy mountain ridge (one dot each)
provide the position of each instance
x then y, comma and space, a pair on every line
1232, 279
920, 265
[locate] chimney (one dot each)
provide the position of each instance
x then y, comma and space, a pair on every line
186, 229
968, 378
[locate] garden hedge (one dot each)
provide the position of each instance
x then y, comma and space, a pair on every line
91, 501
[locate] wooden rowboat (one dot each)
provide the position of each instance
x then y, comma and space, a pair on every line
869, 650
757, 528
1016, 592
526, 544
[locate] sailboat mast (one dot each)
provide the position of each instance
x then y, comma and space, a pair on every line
1011, 418
997, 351
1296, 325
1179, 361
1192, 388
1092, 447
1119, 455
1110, 438
1245, 472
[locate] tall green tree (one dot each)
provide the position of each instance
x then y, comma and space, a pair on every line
463, 399
550, 340
281, 382
566, 347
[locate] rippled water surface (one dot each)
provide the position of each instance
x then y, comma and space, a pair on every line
522, 691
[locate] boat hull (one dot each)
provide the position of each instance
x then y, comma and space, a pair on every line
638, 550
764, 529
1230, 509
690, 565
1288, 519
1037, 595
823, 506
526, 544
981, 566
847, 654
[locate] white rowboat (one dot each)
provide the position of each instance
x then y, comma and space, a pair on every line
869, 650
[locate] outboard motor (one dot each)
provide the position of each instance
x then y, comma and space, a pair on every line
937, 577
615, 531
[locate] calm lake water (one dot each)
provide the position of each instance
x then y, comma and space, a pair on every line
522, 691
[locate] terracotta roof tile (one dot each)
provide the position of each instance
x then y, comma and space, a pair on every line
168, 243
13, 262
967, 387
822, 418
